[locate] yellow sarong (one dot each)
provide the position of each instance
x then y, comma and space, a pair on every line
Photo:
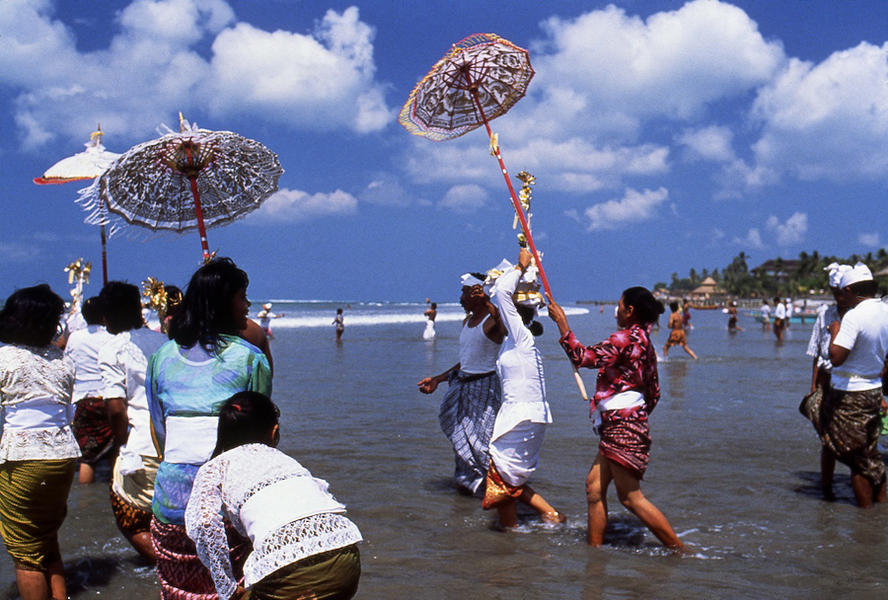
33, 505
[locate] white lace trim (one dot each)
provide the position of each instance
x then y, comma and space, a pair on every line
28, 372
38, 444
297, 540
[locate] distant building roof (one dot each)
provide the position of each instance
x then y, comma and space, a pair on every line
778, 268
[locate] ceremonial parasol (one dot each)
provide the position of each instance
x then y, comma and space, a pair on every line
88, 164
193, 178
479, 79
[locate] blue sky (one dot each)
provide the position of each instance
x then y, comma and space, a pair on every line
663, 135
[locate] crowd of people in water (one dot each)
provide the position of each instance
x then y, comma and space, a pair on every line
186, 417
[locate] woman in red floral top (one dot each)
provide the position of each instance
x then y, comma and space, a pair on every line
626, 391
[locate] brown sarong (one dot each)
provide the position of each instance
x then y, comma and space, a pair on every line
496, 490
182, 576
131, 520
33, 505
849, 427
92, 428
332, 575
625, 438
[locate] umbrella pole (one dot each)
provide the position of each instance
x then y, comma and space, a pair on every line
524, 227
200, 222
515, 202
104, 255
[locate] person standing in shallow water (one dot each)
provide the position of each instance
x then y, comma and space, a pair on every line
468, 410
38, 452
430, 315
818, 349
521, 421
779, 318
851, 412
188, 379
627, 390
339, 322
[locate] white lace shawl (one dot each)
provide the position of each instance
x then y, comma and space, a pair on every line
29, 373
222, 487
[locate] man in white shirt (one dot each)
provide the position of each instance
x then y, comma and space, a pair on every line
90, 424
766, 315
851, 414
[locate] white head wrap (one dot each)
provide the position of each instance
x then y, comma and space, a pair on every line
835, 272
860, 272
469, 280
527, 292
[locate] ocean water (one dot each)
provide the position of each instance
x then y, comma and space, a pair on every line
734, 467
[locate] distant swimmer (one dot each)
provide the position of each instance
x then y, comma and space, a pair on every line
339, 322
430, 314
732, 318
677, 336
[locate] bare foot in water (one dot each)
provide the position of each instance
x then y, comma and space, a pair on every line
554, 517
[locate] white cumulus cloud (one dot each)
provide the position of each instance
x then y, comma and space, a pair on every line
322, 80
752, 239
155, 64
464, 198
633, 207
792, 231
288, 206
708, 143
828, 120
620, 68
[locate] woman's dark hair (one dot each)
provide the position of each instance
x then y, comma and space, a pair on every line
31, 316
123, 306
434, 305
673, 305
92, 311
647, 308
527, 314
205, 313
245, 418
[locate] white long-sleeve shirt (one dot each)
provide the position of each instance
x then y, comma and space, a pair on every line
519, 365
269, 497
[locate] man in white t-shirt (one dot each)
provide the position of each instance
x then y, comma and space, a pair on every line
123, 362
766, 315
789, 311
851, 413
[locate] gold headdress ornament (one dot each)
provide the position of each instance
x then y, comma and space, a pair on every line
79, 269
155, 295
525, 195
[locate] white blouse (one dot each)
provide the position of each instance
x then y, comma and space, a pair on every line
519, 364
35, 396
269, 497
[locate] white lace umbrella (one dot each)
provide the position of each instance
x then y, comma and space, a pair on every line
190, 179
85, 165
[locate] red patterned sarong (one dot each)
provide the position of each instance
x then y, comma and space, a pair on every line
626, 438
182, 576
496, 490
92, 429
